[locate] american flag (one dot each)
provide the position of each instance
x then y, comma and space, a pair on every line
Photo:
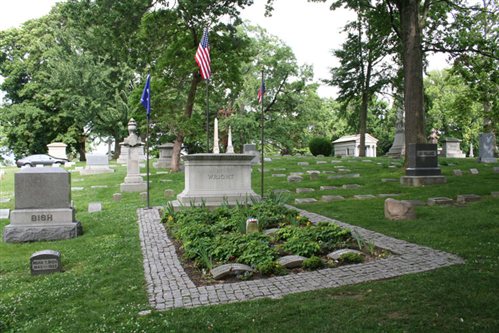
261, 91
203, 56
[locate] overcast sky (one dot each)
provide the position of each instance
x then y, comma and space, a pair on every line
310, 29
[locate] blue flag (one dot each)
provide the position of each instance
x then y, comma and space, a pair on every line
146, 96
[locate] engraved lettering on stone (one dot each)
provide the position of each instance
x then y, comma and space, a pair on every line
426, 153
220, 177
44, 264
42, 218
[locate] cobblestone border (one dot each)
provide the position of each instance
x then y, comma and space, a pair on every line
169, 286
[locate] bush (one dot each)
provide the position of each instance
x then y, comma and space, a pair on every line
312, 263
351, 258
320, 146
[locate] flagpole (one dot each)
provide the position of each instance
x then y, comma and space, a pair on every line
147, 158
207, 116
262, 141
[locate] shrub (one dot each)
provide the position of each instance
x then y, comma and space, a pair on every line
320, 146
351, 258
312, 263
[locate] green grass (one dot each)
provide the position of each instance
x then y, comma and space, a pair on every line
102, 288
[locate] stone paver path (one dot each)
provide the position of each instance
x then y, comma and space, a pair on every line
169, 286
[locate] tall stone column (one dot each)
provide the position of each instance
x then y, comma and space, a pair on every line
133, 180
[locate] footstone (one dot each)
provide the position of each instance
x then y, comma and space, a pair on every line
364, 196
291, 261
328, 172
77, 188
304, 190
331, 198
296, 173
45, 262
294, 179
321, 162
335, 161
344, 170
98, 186
310, 172
278, 175
4, 213
305, 200
327, 188
350, 186
389, 180
438, 201
399, 210
457, 172
267, 159
279, 169
226, 270
464, 198
302, 163
474, 171
336, 255
117, 196
94, 207
388, 195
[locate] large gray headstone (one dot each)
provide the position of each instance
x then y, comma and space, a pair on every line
487, 147
251, 149
96, 164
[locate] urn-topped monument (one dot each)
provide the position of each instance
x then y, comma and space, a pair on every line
133, 180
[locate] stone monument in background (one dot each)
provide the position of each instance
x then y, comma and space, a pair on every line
452, 148
133, 180
165, 156
96, 164
57, 149
487, 146
422, 165
397, 150
43, 209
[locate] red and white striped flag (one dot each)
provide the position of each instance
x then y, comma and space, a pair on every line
203, 56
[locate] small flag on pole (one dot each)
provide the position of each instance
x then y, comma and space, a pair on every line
261, 91
203, 56
146, 96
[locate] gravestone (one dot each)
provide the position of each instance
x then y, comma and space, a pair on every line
399, 210
487, 147
422, 166
251, 149
96, 164
165, 156
4, 213
94, 207
457, 172
440, 201
451, 148
331, 198
43, 208
291, 261
133, 180
45, 262
57, 149
474, 171
117, 197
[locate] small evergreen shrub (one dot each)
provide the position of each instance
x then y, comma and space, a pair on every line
312, 263
351, 258
320, 146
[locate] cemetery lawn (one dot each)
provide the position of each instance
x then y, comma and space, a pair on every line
102, 288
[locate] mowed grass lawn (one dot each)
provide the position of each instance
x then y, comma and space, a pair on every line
102, 288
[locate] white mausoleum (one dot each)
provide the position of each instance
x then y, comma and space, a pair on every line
349, 145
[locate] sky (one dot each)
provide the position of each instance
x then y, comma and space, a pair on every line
310, 29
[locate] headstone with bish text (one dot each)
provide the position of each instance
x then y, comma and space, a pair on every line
43, 209
57, 149
96, 164
165, 156
451, 148
45, 262
133, 180
251, 149
422, 166
487, 148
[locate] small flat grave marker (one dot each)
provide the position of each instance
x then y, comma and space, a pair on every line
45, 262
281, 191
279, 169
4, 213
305, 200
389, 180
295, 179
267, 159
291, 261
296, 173
223, 271
327, 188
331, 198
169, 193
464, 198
457, 172
116, 196
77, 188
494, 194
321, 162
94, 207
328, 172
350, 186
98, 186
304, 190
388, 195
278, 175
338, 253
440, 201
496, 169
474, 171
364, 196
4, 200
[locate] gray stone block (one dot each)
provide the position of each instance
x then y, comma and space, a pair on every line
305, 200
364, 196
440, 201
331, 198
304, 190
295, 179
327, 188
399, 210
350, 186
28, 233
45, 262
94, 207
291, 261
464, 198
474, 171
336, 255
226, 270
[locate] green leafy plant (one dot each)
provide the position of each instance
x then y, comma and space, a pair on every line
351, 258
312, 263
320, 146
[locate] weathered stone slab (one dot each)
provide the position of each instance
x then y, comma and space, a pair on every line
364, 196
331, 198
4, 213
388, 195
279, 169
117, 196
278, 175
45, 262
474, 171
226, 270
415, 202
296, 173
350, 186
464, 198
313, 172
327, 187
295, 179
338, 253
4, 200
439, 201
399, 210
291, 261
77, 188
281, 191
302, 163
305, 200
494, 194
98, 186
270, 231
389, 180
169, 193
343, 170
304, 190
321, 162
328, 172
335, 161
457, 172
94, 207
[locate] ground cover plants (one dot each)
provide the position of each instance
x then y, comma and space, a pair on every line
211, 238
102, 288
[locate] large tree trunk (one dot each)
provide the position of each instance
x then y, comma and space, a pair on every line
179, 140
117, 146
363, 123
413, 72
81, 148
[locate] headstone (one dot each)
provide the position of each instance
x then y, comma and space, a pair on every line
440, 201
94, 207
226, 270
45, 262
487, 148
474, 171
251, 149
165, 156
422, 166
336, 255
465, 198
350, 186
389, 180
57, 149
457, 172
331, 198
117, 197
251, 225
302, 163
43, 209
291, 261
327, 188
496, 169
133, 180
169, 193
96, 164
399, 210
279, 175
398, 147
364, 196
388, 195
4, 213
304, 190
305, 200
451, 148
295, 179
